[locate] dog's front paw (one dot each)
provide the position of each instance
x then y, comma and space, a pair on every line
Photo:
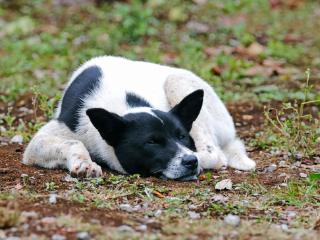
243, 163
213, 160
85, 168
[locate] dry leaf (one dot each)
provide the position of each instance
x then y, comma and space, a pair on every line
158, 194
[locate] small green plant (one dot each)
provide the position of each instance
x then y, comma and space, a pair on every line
228, 208
290, 129
51, 186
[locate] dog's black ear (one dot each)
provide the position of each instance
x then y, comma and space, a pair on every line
189, 108
110, 125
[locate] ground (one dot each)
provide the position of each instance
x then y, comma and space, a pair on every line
260, 56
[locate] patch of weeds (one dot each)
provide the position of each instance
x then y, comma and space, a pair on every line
9, 217
43, 102
221, 209
251, 189
134, 20
78, 197
290, 129
51, 186
299, 193
281, 50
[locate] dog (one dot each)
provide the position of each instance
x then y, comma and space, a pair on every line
137, 117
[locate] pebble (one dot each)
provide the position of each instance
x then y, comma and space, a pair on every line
271, 168
125, 228
68, 178
52, 198
48, 220
192, 207
194, 215
282, 163
224, 184
158, 213
58, 237
297, 164
303, 175
284, 227
3, 129
283, 185
126, 207
317, 160
142, 228
17, 139
83, 236
219, 198
29, 215
233, 220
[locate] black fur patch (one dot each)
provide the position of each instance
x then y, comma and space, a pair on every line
134, 100
72, 100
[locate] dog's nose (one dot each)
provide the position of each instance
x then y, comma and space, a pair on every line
190, 161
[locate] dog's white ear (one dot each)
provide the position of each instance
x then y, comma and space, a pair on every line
110, 125
189, 108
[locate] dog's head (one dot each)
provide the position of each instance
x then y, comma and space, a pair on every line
151, 142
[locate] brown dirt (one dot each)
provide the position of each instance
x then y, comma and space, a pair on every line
249, 119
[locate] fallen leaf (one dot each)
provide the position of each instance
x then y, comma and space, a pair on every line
255, 49
158, 194
202, 177
224, 184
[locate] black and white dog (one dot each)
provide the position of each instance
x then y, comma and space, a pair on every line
138, 117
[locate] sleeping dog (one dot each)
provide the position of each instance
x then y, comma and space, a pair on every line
138, 118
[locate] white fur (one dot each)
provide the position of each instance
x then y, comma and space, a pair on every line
162, 87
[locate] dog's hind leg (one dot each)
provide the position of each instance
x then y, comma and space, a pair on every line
209, 152
54, 146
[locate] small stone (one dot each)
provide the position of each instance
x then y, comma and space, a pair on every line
283, 175
125, 228
17, 139
271, 168
283, 185
282, 163
52, 198
297, 164
137, 207
224, 184
194, 215
192, 207
23, 175
158, 213
83, 236
284, 227
58, 237
317, 160
48, 220
142, 228
219, 198
3, 129
29, 215
303, 175
233, 220
126, 207
68, 178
